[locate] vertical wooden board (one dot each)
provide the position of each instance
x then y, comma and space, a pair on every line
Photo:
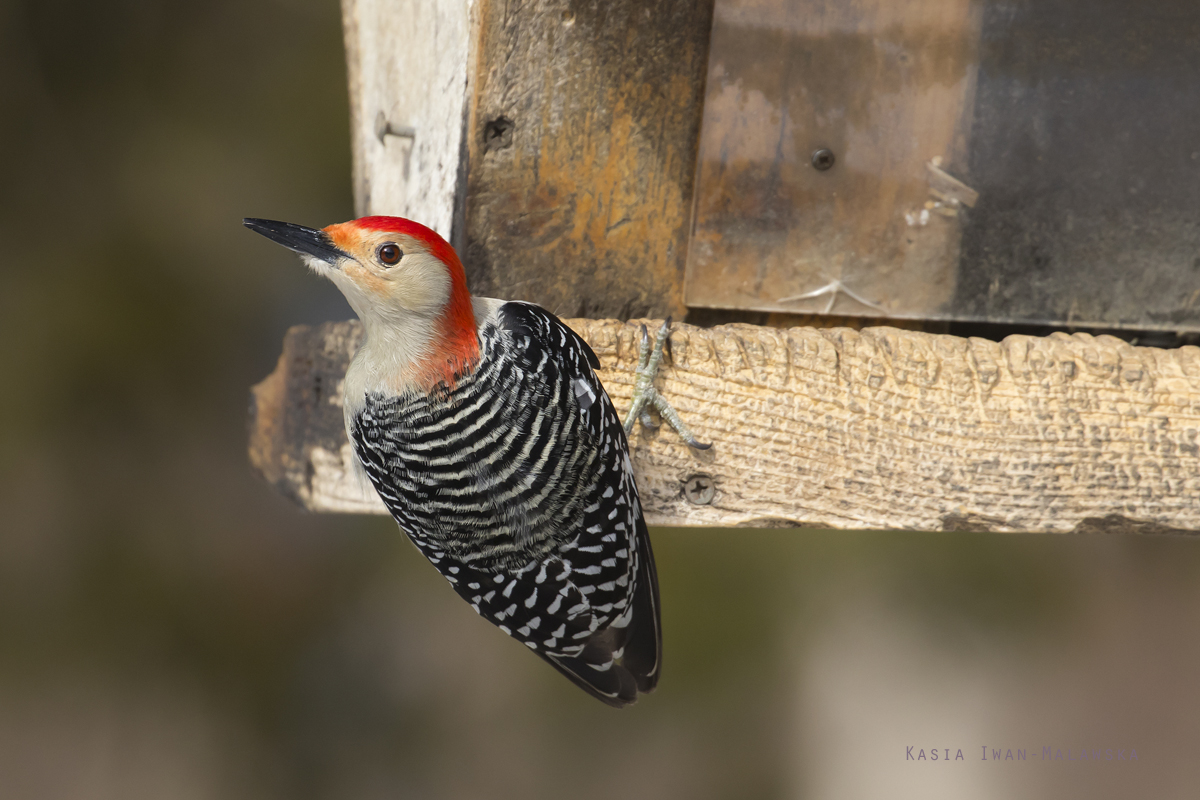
887, 86
582, 133
408, 80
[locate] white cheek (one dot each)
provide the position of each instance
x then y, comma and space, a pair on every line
421, 284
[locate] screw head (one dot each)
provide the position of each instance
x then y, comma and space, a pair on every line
498, 134
699, 489
823, 159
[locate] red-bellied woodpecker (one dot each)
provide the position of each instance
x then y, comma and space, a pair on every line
485, 431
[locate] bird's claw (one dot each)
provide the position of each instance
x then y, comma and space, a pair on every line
645, 395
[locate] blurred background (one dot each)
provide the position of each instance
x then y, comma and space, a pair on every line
171, 628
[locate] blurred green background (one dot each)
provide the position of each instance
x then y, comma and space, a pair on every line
171, 628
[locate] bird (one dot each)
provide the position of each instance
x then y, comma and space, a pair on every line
485, 431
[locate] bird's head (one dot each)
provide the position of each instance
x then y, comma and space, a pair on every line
400, 277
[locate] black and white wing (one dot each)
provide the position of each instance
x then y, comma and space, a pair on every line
516, 484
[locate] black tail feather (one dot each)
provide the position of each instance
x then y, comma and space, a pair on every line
614, 686
643, 652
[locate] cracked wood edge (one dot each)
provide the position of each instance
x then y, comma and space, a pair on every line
871, 429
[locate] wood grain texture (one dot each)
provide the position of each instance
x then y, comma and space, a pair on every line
582, 129
879, 428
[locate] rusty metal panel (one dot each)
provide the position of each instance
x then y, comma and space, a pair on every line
1086, 155
999, 160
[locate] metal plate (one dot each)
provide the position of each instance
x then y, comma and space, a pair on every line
1024, 162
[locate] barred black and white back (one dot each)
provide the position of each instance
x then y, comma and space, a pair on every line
515, 482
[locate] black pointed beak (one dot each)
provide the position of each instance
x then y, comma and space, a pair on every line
306, 241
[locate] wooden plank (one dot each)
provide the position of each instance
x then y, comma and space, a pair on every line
887, 87
879, 428
582, 133
407, 97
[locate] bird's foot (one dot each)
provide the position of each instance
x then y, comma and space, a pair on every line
645, 396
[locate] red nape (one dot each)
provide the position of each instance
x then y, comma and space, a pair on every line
460, 343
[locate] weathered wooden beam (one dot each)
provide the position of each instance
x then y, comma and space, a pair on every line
584, 208
880, 428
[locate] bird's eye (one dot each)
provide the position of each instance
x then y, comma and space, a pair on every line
390, 254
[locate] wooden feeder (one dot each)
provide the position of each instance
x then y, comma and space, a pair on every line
918, 161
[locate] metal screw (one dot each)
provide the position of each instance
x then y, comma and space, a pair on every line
498, 134
699, 489
823, 159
